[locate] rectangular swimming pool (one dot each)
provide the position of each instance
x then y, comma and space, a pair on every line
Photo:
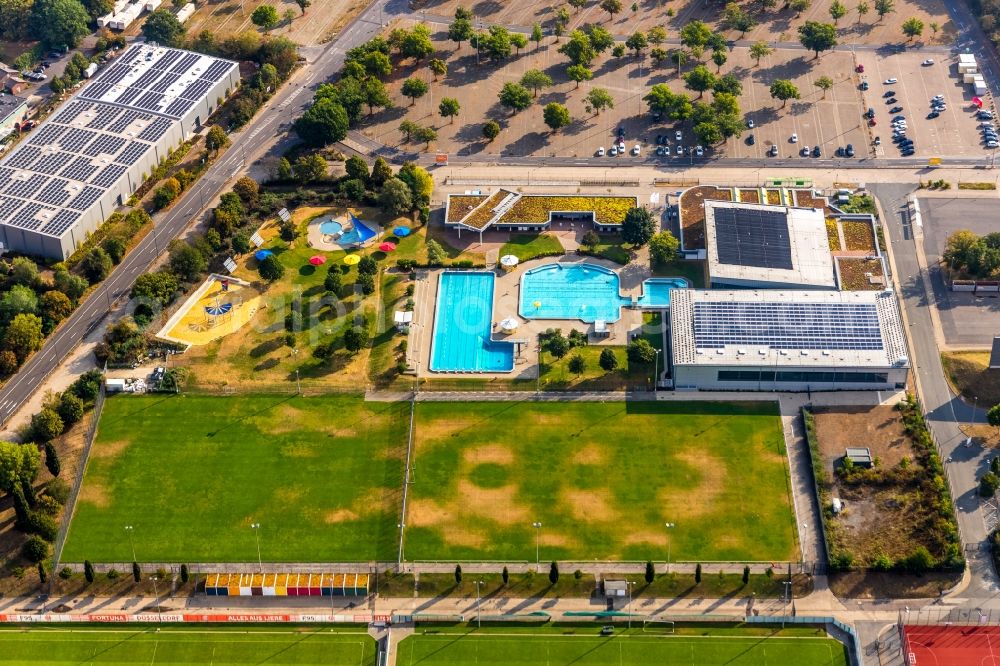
463, 323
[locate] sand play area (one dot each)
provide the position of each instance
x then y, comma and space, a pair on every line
220, 306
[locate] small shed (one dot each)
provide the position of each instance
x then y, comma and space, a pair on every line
615, 588
601, 329
114, 385
402, 319
859, 455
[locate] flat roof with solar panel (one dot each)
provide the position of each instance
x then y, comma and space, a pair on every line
757, 245
786, 327
128, 117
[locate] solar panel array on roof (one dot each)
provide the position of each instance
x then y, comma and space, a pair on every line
72, 110
62, 221
155, 130
186, 63
164, 82
54, 192
196, 89
79, 169
128, 96
108, 175
179, 106
47, 134
127, 119
26, 188
52, 162
752, 237
75, 139
216, 70
104, 145
8, 205
85, 198
132, 152
110, 76
787, 325
25, 217
5, 176
167, 59
24, 157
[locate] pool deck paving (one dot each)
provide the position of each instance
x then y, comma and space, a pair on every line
505, 304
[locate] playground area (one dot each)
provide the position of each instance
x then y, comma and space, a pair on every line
217, 308
330, 233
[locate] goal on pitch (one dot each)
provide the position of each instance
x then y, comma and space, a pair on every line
657, 625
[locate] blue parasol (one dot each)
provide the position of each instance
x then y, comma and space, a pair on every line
216, 310
261, 255
401, 231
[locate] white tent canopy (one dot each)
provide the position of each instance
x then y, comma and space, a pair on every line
509, 261
509, 324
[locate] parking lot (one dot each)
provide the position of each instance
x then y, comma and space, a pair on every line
966, 319
954, 133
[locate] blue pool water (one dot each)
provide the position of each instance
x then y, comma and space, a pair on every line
358, 234
462, 326
587, 292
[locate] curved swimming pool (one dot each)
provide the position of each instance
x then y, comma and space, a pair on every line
587, 292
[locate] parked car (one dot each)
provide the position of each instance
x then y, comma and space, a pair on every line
889, 82
891, 100
750, 123
985, 115
805, 151
660, 150
933, 114
699, 151
636, 149
751, 140
849, 150
614, 151
992, 144
870, 113
600, 151
889, 93
680, 149
928, 62
817, 152
840, 151
878, 141
678, 136
772, 151
794, 138
864, 85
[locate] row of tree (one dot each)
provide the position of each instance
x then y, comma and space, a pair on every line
977, 256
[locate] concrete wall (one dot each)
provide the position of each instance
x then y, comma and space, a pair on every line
707, 378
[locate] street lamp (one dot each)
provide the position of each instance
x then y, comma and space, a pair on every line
256, 530
538, 527
298, 385
401, 527
656, 370
479, 617
156, 599
128, 531
628, 609
669, 527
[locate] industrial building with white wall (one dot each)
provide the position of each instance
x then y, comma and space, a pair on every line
786, 340
85, 161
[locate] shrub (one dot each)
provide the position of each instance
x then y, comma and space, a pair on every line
577, 365
881, 562
367, 265
70, 410
608, 360
58, 490
746, 574
66, 573
406, 265
988, 484
333, 282
435, 253
42, 573
553, 573
46, 425
458, 574
136, 572
919, 561
42, 525
52, 459
640, 351
271, 269
35, 549
367, 283
112, 574
88, 571
650, 572
184, 573
505, 576
697, 574
578, 574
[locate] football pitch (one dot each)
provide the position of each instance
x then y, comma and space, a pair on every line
322, 477
602, 478
187, 645
542, 647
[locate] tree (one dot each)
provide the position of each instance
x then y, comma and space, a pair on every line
817, 36
408, 128
824, 83
18, 463
187, 262
8, 363
460, 31
515, 97
425, 135
913, 27
438, 67
17, 300
303, 4
993, 416
707, 132
638, 227
497, 42
216, 139
656, 35
579, 48
491, 130
419, 181
746, 574
697, 574
310, 168
640, 351
799, 6
46, 425
59, 23
758, 50
663, 248
579, 73
265, 16
556, 116
719, 57
518, 41
24, 271
23, 335
163, 27
536, 34
735, 17
136, 572
536, 79
599, 99
449, 108
70, 410
323, 123
728, 84
934, 26
837, 11
988, 484
355, 339
577, 365
556, 344
357, 168
784, 90
679, 56
695, 33
88, 571
699, 79
505, 576
637, 42
883, 7
862, 9
35, 549
458, 574
333, 282
612, 7
608, 360
661, 99
378, 64
270, 268
414, 88
554, 568
52, 458
381, 172
158, 287
416, 43
247, 190
395, 197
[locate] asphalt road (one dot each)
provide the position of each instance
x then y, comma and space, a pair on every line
944, 411
289, 103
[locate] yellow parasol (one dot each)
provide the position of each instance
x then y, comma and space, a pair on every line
351, 259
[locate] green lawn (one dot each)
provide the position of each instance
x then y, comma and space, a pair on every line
529, 246
190, 473
557, 646
602, 478
188, 645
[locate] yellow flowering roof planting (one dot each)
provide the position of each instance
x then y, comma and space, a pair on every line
460, 205
537, 208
